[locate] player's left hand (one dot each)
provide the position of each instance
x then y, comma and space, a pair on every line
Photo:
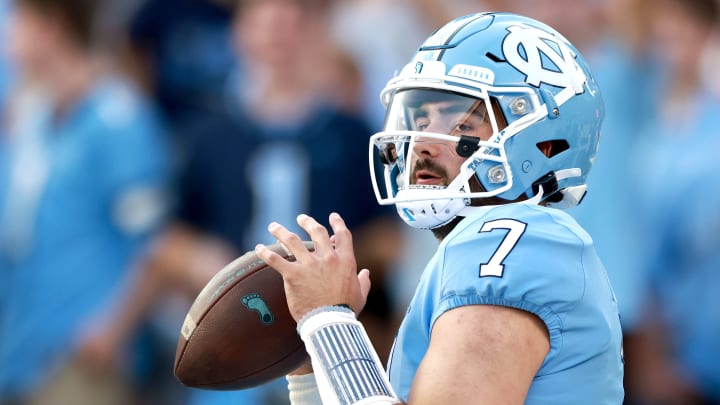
327, 276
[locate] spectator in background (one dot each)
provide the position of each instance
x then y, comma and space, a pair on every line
675, 178
81, 181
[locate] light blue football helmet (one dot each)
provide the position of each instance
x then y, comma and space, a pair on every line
527, 82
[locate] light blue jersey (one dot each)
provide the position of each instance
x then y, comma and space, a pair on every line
535, 259
80, 197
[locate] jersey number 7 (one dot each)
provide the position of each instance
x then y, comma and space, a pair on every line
515, 229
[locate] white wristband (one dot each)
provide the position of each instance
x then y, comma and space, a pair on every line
347, 368
303, 390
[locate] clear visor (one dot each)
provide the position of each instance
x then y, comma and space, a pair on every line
430, 140
440, 112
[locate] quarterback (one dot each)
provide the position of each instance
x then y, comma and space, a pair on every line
491, 130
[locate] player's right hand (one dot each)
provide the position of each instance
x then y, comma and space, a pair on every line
325, 277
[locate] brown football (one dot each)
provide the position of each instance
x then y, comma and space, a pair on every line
239, 333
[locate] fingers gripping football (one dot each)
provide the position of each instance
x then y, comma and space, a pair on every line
326, 276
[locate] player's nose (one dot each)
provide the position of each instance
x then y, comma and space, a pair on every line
432, 147
427, 147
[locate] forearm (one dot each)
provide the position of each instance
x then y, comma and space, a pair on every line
347, 369
304, 390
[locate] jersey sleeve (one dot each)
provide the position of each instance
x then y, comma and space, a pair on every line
525, 258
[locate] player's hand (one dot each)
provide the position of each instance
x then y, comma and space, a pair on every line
326, 276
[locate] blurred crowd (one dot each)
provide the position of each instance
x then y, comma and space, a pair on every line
144, 144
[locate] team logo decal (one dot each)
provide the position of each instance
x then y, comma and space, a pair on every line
542, 58
255, 302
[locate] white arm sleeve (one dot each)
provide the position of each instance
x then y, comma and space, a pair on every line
347, 368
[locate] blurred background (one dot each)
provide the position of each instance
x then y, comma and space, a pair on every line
146, 143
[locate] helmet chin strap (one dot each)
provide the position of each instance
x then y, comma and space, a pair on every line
536, 199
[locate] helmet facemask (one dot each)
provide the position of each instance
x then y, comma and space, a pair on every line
432, 146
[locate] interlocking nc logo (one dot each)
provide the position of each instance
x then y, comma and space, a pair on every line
537, 46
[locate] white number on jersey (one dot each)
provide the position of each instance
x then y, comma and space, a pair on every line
515, 230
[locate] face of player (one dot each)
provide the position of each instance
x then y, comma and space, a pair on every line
435, 162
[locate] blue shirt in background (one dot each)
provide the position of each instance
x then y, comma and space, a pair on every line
79, 194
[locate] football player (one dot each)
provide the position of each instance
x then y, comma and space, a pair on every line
490, 129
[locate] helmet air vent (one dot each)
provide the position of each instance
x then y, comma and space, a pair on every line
554, 147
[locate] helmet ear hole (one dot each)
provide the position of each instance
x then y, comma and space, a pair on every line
553, 148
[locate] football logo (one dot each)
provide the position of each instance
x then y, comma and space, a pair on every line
543, 58
254, 302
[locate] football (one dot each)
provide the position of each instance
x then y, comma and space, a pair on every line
238, 333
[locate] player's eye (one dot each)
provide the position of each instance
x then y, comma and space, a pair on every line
422, 124
464, 127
